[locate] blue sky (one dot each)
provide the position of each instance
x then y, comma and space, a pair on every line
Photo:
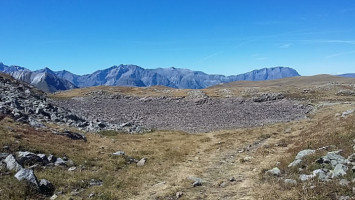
214, 36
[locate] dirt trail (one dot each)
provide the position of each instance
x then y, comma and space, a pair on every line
242, 154
220, 159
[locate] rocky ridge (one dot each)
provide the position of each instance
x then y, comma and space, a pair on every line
133, 75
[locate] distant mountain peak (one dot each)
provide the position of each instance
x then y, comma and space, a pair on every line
133, 75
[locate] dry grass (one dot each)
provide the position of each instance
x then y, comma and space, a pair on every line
94, 160
326, 130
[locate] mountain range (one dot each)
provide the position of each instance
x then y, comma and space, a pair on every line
132, 75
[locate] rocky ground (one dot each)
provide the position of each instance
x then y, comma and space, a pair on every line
194, 113
26, 104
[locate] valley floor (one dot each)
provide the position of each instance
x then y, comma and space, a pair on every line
229, 164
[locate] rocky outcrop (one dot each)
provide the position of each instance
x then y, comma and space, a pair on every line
25, 104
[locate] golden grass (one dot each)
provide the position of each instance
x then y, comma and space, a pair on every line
94, 159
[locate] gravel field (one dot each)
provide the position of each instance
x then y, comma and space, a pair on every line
202, 114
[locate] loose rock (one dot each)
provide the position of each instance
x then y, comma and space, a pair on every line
46, 187
275, 172
28, 175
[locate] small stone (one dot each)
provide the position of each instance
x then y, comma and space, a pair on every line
232, 179
353, 190
223, 184
275, 172
51, 158
344, 182
196, 183
94, 182
46, 187
119, 153
54, 197
344, 198
28, 175
141, 162
339, 170
91, 195
72, 169
290, 182
59, 161
304, 153
179, 194
295, 163
304, 177
247, 159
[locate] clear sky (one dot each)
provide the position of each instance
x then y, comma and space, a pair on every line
214, 36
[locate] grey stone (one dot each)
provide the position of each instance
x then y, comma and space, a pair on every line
346, 113
11, 163
197, 183
141, 162
323, 174
54, 197
179, 194
305, 177
295, 163
339, 170
290, 182
29, 158
344, 198
351, 158
232, 179
46, 187
344, 182
52, 158
27, 175
195, 179
94, 182
332, 158
3, 156
72, 169
59, 162
304, 153
275, 172
119, 153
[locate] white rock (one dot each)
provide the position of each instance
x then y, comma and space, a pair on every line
11, 163
275, 172
304, 153
141, 162
295, 163
28, 175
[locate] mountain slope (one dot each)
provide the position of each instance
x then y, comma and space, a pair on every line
350, 75
132, 75
44, 79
